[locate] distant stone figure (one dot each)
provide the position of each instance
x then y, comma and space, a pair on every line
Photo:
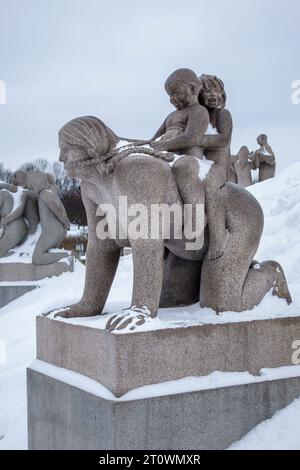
264, 159
232, 176
30, 207
243, 167
54, 220
14, 232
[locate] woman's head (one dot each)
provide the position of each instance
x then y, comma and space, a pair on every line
212, 94
85, 138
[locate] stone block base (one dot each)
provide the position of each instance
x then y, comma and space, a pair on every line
64, 416
128, 361
14, 272
10, 293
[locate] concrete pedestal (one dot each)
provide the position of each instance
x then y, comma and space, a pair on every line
12, 275
124, 362
9, 293
65, 417
73, 399
15, 272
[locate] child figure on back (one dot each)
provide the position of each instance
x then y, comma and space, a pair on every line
216, 148
182, 132
198, 103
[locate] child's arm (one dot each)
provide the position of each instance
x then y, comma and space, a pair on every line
197, 124
161, 131
222, 139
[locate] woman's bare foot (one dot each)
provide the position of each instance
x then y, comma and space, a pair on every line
280, 288
217, 248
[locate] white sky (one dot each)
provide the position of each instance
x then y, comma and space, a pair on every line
66, 58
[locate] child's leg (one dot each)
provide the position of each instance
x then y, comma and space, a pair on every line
190, 187
215, 200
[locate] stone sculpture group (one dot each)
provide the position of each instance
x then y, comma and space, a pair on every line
242, 164
31, 200
222, 273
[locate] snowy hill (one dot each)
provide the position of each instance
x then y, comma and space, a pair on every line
280, 199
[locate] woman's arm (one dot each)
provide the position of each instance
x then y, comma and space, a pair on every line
223, 138
196, 126
19, 211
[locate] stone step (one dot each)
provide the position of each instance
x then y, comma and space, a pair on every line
122, 362
62, 415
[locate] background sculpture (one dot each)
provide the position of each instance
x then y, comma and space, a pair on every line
232, 176
264, 159
54, 220
13, 232
243, 167
32, 198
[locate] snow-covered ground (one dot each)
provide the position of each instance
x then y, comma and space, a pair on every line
280, 199
282, 432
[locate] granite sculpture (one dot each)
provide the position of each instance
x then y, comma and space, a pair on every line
54, 220
264, 159
232, 176
17, 199
243, 167
217, 149
13, 232
32, 199
94, 154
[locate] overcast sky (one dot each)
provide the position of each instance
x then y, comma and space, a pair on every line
66, 58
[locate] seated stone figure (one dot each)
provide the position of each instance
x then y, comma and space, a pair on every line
216, 147
232, 176
19, 180
53, 218
264, 159
243, 167
14, 232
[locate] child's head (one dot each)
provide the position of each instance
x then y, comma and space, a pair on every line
183, 87
19, 178
262, 139
212, 94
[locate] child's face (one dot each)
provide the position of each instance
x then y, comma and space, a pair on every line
181, 95
212, 98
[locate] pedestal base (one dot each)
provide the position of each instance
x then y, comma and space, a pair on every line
128, 361
10, 293
64, 416
15, 272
